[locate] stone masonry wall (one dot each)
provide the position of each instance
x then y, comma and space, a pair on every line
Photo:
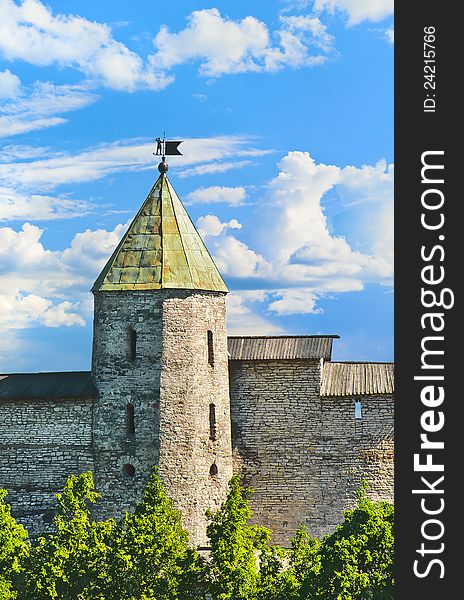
302, 454
195, 453
42, 442
171, 385
122, 382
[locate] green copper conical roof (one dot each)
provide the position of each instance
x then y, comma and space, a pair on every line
161, 249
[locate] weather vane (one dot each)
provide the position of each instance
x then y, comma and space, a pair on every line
167, 148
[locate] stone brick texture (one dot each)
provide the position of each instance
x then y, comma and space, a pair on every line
171, 385
41, 443
305, 455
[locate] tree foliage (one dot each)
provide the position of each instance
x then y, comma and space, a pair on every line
14, 548
235, 545
146, 555
357, 559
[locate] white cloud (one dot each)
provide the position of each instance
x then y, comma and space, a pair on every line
232, 196
296, 255
211, 225
39, 109
224, 46
201, 97
128, 155
390, 35
25, 171
16, 206
358, 10
296, 232
50, 288
243, 320
24, 310
295, 301
214, 167
235, 259
10, 84
30, 32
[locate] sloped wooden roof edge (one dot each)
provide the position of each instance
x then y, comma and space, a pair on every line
357, 378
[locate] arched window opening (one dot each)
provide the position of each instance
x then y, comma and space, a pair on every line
128, 471
212, 422
213, 470
358, 409
133, 343
130, 421
210, 348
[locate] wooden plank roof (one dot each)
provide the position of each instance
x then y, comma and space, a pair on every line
357, 378
73, 384
280, 347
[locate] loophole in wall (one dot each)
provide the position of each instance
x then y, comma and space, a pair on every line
213, 470
128, 470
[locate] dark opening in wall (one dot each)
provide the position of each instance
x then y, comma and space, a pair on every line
128, 471
133, 343
212, 422
358, 409
210, 348
130, 421
213, 470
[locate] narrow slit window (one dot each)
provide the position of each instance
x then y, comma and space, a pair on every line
133, 343
213, 471
130, 421
212, 422
358, 409
210, 348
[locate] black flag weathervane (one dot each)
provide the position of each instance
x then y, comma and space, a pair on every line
167, 148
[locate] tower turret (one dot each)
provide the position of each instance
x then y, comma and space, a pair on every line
160, 364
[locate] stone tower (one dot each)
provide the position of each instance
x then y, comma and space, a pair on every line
160, 365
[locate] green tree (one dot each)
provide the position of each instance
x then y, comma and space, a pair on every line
14, 548
274, 581
73, 562
159, 565
357, 559
235, 547
304, 564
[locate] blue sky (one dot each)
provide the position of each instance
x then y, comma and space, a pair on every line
286, 109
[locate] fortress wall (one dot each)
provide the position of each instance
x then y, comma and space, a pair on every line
42, 442
302, 454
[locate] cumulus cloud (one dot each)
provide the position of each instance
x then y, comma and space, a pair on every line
30, 32
10, 84
295, 253
243, 319
295, 221
224, 46
295, 301
211, 225
358, 10
232, 196
236, 260
45, 287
